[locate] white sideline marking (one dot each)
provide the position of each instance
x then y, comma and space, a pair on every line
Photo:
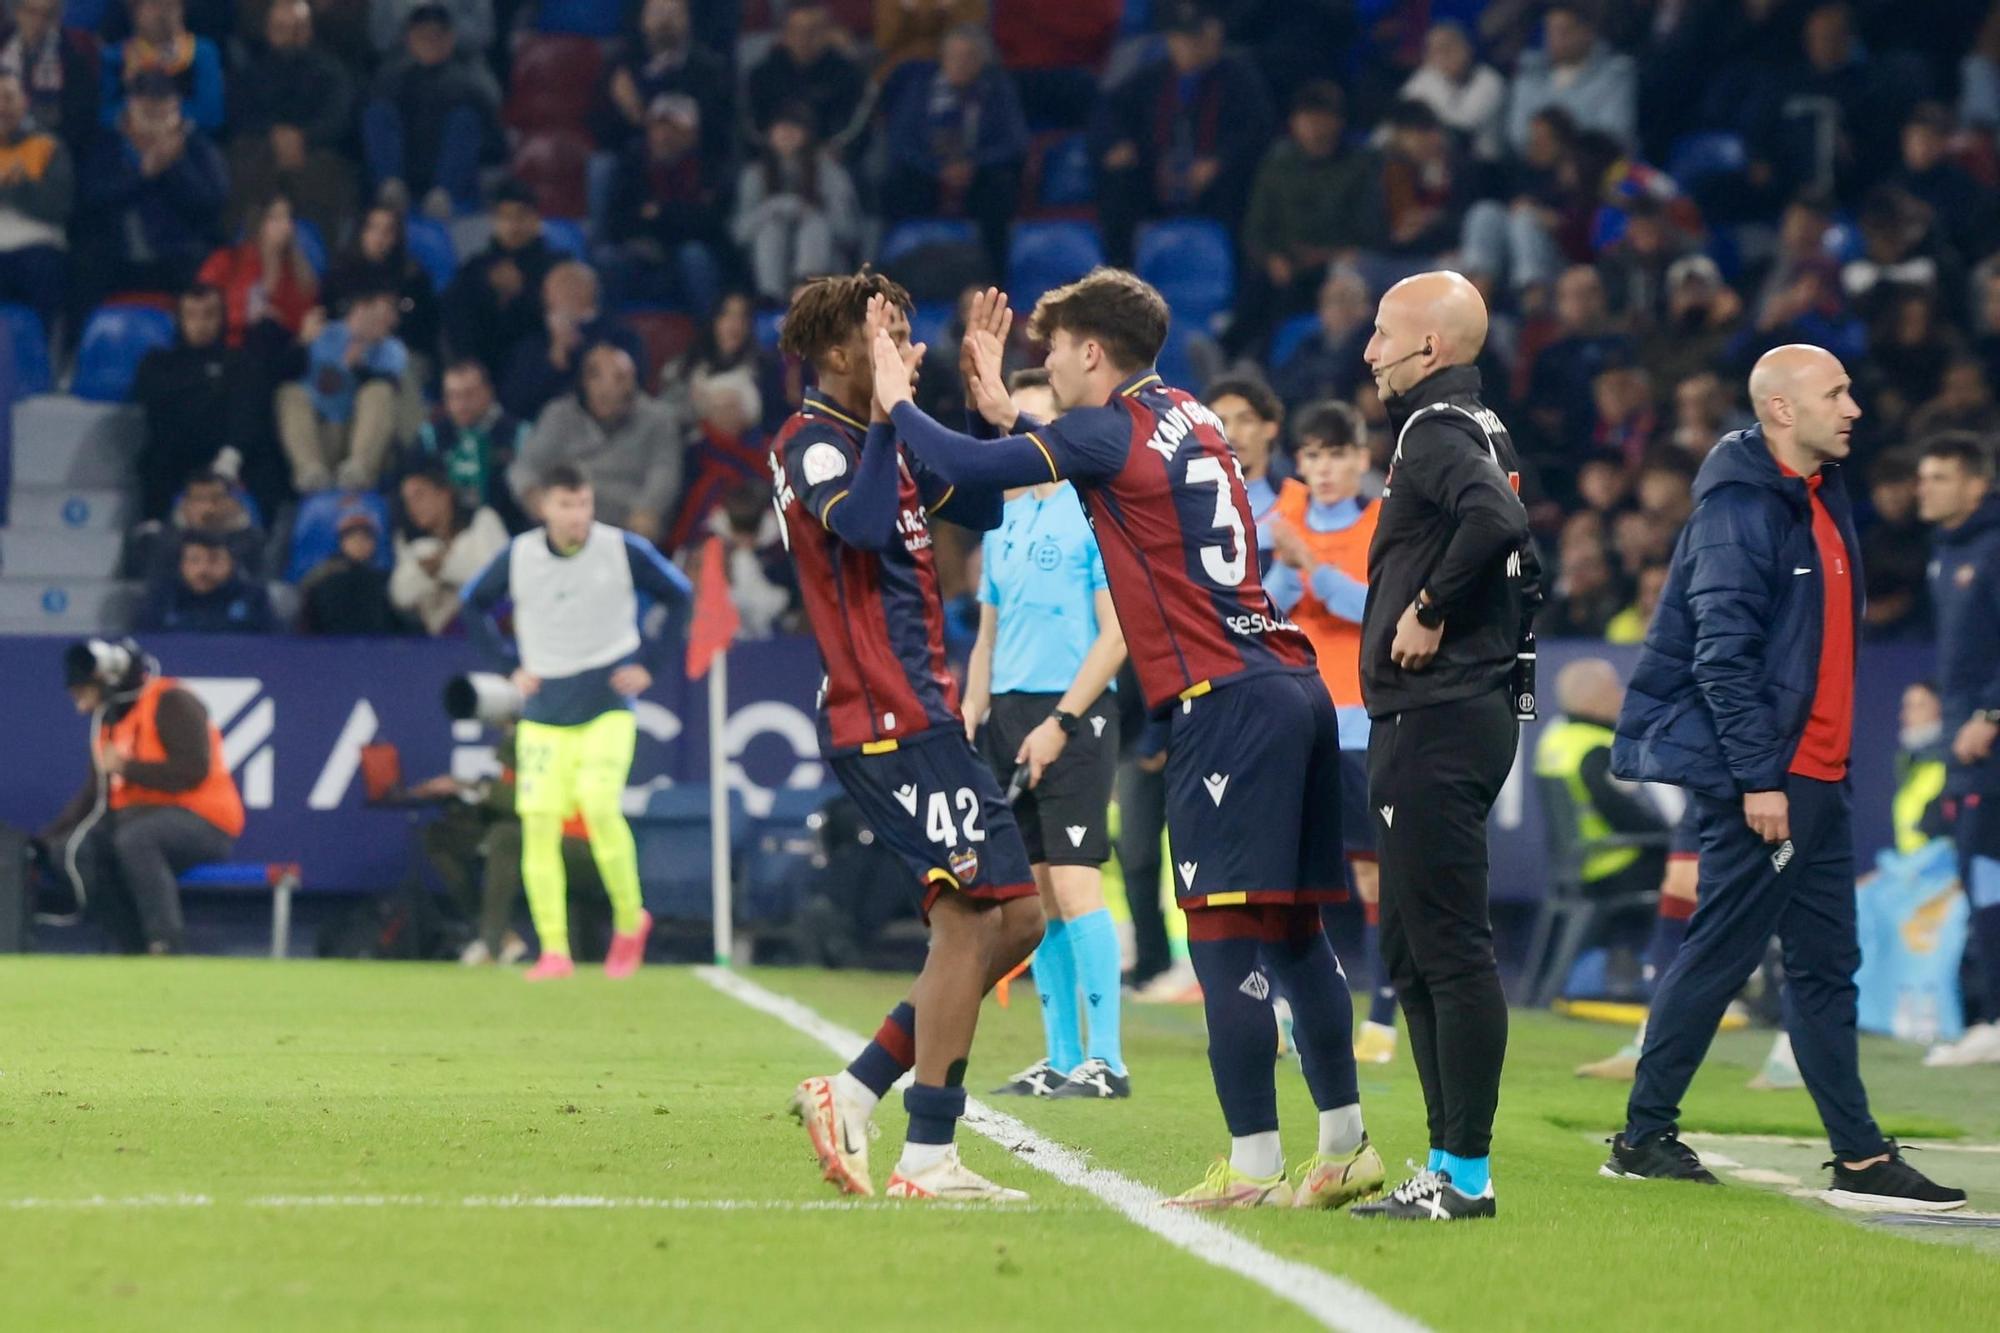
500, 1201
1334, 1302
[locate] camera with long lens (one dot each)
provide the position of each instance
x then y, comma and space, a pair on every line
482, 696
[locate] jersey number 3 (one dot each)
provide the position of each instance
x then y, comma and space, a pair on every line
1224, 568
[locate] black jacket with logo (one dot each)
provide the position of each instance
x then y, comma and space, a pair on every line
1451, 522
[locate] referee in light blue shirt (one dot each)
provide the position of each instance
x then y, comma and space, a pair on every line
1040, 681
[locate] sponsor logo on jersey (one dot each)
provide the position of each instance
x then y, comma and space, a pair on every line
1256, 622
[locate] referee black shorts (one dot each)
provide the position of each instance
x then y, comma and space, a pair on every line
1063, 818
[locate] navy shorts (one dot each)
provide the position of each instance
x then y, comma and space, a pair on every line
934, 802
1357, 821
1254, 794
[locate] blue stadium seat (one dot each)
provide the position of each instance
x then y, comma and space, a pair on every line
672, 839
1176, 367
931, 324
1193, 264
115, 340
586, 18
430, 245
316, 531
566, 237
1048, 254
312, 244
906, 238
89, 15
1067, 180
767, 324
1291, 335
1695, 157
30, 353
782, 855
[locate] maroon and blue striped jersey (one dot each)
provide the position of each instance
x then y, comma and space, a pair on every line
1165, 495
876, 614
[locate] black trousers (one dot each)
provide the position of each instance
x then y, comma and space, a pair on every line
1802, 891
1433, 775
1142, 815
131, 862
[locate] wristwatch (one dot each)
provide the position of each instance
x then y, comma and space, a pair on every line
1069, 722
1429, 614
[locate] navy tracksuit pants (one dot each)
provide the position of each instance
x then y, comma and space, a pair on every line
1802, 891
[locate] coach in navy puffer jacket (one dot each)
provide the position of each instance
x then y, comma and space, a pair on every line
1725, 682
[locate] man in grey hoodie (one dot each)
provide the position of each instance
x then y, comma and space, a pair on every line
630, 444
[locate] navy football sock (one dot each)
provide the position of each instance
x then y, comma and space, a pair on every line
934, 1112
1242, 1030
891, 1054
1322, 1009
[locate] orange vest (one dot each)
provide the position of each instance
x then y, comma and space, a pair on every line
138, 734
1337, 641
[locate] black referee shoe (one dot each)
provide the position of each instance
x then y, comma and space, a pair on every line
1095, 1079
1040, 1079
1661, 1157
1892, 1186
1429, 1196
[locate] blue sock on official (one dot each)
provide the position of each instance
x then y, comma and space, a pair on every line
1381, 995
1093, 942
1435, 1162
1469, 1175
1055, 985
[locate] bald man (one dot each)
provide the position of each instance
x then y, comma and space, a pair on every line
1448, 606
1744, 696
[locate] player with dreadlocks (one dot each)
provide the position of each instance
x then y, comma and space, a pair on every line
856, 511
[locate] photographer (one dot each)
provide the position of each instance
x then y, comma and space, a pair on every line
159, 801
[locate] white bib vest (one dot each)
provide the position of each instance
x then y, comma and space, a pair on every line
573, 613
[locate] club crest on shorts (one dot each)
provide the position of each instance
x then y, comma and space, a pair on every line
964, 864
1782, 857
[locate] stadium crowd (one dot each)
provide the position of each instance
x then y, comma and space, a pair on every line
416, 253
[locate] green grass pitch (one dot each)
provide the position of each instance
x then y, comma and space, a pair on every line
204, 1144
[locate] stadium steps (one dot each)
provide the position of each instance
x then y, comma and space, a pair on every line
71, 607
58, 553
65, 441
70, 504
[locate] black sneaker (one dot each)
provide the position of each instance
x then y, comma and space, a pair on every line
1094, 1078
1661, 1157
1040, 1079
1891, 1186
1429, 1196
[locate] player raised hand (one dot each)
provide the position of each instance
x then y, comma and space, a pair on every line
982, 355
895, 364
